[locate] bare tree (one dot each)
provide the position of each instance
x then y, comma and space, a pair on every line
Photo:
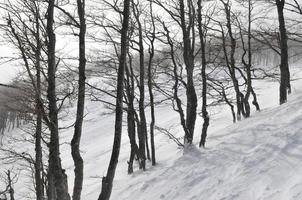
56, 174
183, 14
142, 134
75, 142
10, 180
150, 82
204, 111
108, 179
188, 54
284, 69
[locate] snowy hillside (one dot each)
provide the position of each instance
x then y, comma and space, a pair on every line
127, 81
257, 158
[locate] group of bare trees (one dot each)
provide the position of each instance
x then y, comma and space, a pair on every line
30, 28
189, 54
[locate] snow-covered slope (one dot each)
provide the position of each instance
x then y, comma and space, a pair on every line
259, 158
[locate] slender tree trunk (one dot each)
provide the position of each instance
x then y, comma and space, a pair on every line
75, 142
205, 115
255, 102
38, 162
108, 179
189, 63
284, 69
38, 133
10, 186
131, 118
248, 64
179, 108
150, 87
55, 166
231, 62
142, 134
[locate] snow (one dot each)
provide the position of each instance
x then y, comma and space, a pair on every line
255, 159
259, 158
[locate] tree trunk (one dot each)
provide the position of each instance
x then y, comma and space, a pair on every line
284, 69
131, 118
38, 161
231, 62
176, 98
75, 142
143, 125
150, 87
249, 64
38, 133
55, 166
189, 63
10, 186
205, 115
108, 179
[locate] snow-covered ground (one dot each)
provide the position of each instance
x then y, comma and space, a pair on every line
257, 158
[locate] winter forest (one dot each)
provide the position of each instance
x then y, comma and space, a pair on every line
150, 99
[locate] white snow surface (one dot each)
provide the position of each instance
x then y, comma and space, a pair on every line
259, 158
255, 159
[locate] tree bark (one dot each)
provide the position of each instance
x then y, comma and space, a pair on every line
142, 134
150, 87
55, 166
108, 179
10, 186
231, 62
189, 63
205, 115
284, 68
75, 142
38, 133
176, 98
131, 117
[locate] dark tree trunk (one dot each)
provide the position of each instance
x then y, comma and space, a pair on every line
147, 146
231, 62
176, 98
131, 117
38, 133
11, 190
248, 65
108, 179
284, 69
142, 134
230, 104
51, 190
205, 115
55, 166
75, 142
188, 56
255, 102
38, 161
150, 87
